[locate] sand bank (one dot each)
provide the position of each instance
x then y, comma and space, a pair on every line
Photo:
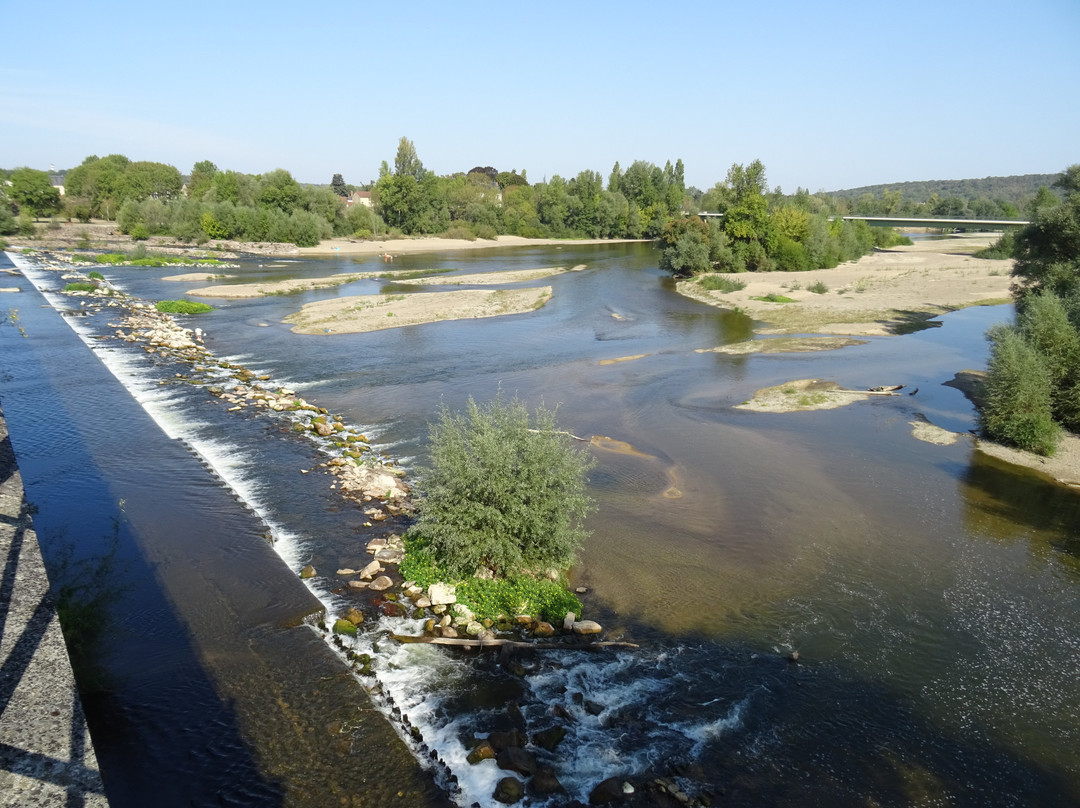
887, 292
363, 313
490, 278
345, 246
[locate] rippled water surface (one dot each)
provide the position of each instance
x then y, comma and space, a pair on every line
931, 593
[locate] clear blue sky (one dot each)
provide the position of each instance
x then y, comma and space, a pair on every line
827, 95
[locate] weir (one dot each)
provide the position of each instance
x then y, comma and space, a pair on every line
215, 687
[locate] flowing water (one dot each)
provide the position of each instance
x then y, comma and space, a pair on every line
931, 592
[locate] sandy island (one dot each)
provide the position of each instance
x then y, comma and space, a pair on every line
345, 246
887, 292
362, 313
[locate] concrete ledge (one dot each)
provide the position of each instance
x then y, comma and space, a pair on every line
46, 756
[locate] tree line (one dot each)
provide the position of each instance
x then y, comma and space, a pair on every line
1032, 391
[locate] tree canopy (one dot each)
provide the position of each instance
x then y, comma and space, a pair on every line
33, 192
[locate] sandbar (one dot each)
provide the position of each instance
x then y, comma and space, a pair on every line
364, 313
887, 292
803, 394
489, 278
236, 291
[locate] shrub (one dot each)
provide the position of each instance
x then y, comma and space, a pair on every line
1044, 325
182, 307
1017, 403
718, 283
140, 232
94, 275
27, 228
81, 286
501, 494
818, 288
1000, 249
486, 231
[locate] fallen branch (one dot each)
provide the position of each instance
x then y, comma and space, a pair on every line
499, 643
561, 432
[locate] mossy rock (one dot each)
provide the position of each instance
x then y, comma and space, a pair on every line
343, 626
307, 572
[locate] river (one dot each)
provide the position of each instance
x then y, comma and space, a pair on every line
931, 593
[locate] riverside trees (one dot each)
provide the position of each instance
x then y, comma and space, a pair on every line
1033, 376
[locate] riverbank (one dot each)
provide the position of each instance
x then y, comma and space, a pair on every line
887, 292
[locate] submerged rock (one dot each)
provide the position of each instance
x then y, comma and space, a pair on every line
509, 790
381, 583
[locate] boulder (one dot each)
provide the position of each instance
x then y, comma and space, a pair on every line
344, 627
586, 627
422, 602
442, 594
358, 584
504, 740
509, 790
568, 621
307, 572
448, 631
473, 629
516, 759
544, 629
549, 738
390, 555
544, 783
371, 569
612, 791
482, 751
354, 616
381, 583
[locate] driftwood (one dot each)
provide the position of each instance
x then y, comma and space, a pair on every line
560, 432
499, 643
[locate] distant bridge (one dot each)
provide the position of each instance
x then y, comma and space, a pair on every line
966, 224
909, 221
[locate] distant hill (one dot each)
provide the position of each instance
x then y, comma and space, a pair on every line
1015, 189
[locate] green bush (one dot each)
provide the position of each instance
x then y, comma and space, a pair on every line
1043, 323
81, 286
27, 228
486, 232
182, 307
94, 275
140, 232
719, 283
460, 231
818, 288
1017, 406
1000, 249
503, 492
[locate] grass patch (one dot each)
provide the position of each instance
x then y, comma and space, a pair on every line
149, 260
81, 286
501, 598
182, 307
773, 297
719, 283
408, 276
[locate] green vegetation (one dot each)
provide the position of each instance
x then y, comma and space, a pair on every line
818, 288
1001, 249
1033, 376
81, 286
719, 283
773, 297
501, 494
182, 307
762, 231
989, 198
141, 258
94, 275
33, 192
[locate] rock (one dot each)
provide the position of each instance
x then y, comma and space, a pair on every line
504, 740
381, 583
482, 751
346, 571
568, 621
429, 626
422, 602
307, 572
448, 631
442, 594
544, 783
549, 738
516, 759
342, 626
592, 707
354, 616
544, 629
358, 584
610, 791
323, 430
371, 569
586, 627
464, 612
390, 555
444, 620
473, 629
508, 791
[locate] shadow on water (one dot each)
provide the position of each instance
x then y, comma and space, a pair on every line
1027, 505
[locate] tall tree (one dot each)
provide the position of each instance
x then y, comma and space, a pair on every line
32, 191
337, 185
1047, 251
406, 163
201, 179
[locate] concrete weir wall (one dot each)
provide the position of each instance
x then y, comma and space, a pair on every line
46, 756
